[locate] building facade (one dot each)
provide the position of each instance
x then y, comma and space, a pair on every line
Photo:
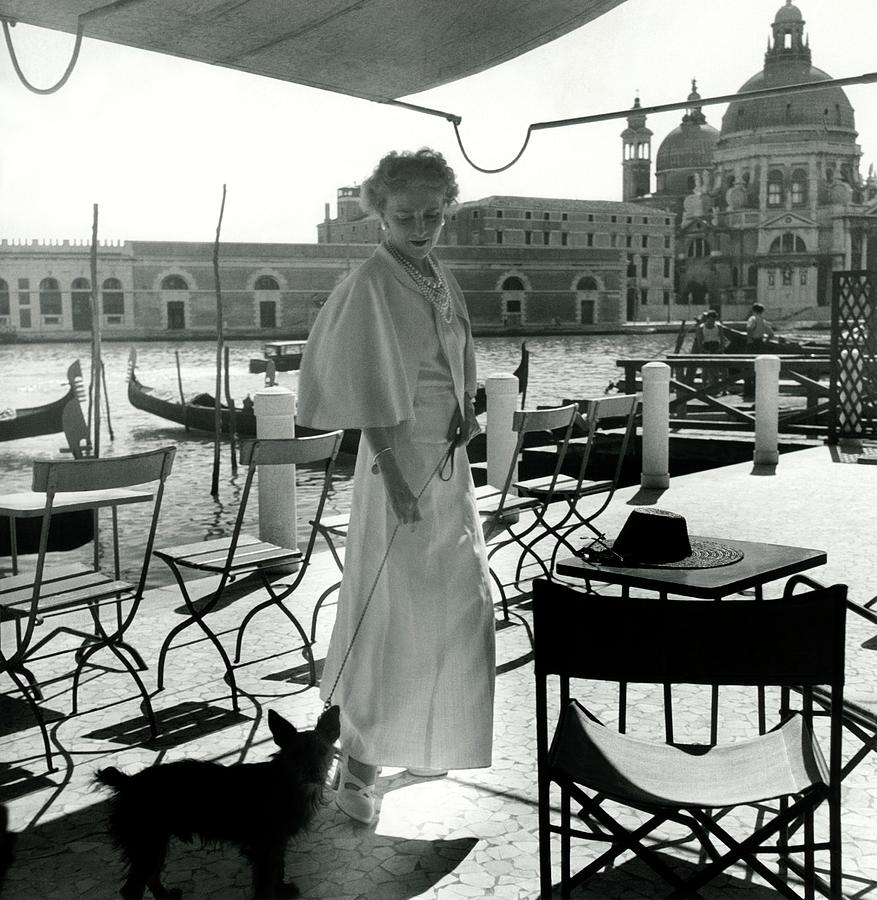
771, 204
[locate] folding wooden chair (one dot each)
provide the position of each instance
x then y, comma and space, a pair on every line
243, 554
57, 591
595, 415
794, 641
500, 510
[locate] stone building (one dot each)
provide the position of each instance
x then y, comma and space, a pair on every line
772, 203
566, 255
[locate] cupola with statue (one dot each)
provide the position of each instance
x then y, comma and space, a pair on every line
687, 150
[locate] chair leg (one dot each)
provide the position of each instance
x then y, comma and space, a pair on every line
322, 599
196, 618
115, 648
34, 706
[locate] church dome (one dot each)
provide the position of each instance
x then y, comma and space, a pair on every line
789, 13
788, 61
688, 146
825, 110
691, 144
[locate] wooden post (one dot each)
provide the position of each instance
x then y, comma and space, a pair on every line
95, 336
182, 395
217, 407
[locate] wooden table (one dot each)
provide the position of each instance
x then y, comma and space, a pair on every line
761, 564
31, 504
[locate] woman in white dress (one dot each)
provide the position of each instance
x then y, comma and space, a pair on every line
411, 659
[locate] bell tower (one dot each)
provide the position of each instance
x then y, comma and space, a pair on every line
637, 155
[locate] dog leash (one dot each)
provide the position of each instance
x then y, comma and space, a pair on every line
443, 460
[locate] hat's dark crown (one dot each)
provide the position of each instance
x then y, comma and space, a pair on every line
653, 535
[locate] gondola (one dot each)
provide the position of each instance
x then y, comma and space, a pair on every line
777, 344
286, 356
35, 420
198, 414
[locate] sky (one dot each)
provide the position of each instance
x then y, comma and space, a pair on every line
152, 139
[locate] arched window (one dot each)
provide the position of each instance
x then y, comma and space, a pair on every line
799, 187
267, 283
587, 284
4, 298
50, 301
512, 283
113, 301
174, 283
698, 247
788, 243
774, 188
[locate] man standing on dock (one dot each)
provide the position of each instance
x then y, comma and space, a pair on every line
758, 330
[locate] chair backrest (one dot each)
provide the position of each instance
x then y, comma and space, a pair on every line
290, 451
597, 413
110, 472
527, 421
796, 640
287, 452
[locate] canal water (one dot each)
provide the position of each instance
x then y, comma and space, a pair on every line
32, 374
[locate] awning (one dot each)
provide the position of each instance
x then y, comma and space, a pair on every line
374, 49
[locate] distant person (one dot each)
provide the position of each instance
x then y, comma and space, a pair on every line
708, 341
391, 353
248, 404
708, 337
758, 330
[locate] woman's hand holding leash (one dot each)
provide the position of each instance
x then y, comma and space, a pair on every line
400, 495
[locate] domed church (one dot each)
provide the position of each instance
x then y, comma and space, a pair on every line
771, 204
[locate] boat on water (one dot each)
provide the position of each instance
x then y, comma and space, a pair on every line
736, 338
31, 421
286, 356
198, 413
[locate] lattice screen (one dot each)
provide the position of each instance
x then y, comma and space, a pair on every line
854, 355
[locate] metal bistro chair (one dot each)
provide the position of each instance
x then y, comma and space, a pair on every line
57, 591
500, 510
795, 641
243, 554
595, 414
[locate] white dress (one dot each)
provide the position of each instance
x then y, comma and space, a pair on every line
417, 686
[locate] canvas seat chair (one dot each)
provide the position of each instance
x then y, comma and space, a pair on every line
66, 594
594, 415
501, 509
859, 712
793, 641
243, 554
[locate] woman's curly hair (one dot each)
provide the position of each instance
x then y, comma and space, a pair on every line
398, 171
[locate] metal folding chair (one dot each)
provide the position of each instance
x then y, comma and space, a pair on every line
53, 592
596, 415
243, 554
501, 510
795, 641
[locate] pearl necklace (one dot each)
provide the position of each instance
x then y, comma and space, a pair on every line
433, 289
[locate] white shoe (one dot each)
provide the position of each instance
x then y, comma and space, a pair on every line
423, 772
354, 797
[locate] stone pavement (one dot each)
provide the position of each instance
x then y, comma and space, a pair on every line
472, 834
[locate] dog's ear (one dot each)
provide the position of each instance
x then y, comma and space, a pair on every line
329, 724
281, 730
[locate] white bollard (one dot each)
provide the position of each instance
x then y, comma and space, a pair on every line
656, 425
767, 404
502, 401
275, 418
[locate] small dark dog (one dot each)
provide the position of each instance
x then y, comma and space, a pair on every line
257, 806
